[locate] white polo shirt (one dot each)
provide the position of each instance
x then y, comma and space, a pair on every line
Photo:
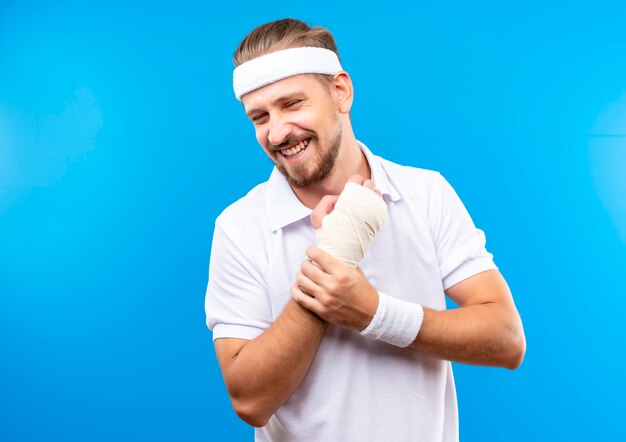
356, 389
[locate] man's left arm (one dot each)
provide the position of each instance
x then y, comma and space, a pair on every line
484, 330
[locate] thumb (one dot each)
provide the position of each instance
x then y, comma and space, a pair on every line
323, 208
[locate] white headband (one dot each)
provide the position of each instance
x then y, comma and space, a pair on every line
275, 66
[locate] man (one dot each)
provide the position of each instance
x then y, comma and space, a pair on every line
311, 349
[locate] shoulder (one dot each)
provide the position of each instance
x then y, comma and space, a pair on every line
247, 214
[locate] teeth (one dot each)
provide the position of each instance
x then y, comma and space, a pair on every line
295, 149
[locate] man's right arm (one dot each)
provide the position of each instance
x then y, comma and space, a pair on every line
262, 373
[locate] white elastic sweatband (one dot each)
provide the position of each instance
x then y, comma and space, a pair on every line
348, 231
275, 66
396, 321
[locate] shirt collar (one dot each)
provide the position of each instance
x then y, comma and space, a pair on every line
284, 207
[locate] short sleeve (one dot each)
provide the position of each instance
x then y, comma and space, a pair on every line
460, 246
236, 302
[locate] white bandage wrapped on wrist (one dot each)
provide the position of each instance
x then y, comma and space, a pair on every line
346, 234
348, 231
396, 321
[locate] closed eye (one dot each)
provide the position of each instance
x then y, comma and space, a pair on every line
293, 103
259, 118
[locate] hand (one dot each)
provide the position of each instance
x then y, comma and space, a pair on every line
327, 203
336, 293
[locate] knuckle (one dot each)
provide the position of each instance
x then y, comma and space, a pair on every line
322, 298
333, 287
331, 303
323, 310
342, 279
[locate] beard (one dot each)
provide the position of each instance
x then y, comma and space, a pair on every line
316, 168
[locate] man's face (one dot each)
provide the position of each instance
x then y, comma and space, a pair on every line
298, 125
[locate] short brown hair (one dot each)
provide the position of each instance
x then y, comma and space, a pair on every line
282, 34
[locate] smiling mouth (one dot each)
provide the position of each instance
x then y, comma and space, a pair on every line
296, 149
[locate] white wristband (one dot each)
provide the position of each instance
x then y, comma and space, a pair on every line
396, 321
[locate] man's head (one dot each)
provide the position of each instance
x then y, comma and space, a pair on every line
293, 89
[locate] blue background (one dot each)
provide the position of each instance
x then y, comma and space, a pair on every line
120, 142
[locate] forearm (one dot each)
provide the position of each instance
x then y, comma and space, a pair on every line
481, 334
268, 369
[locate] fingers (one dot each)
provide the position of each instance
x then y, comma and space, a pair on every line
323, 208
323, 260
305, 291
358, 179
327, 203
311, 271
302, 298
305, 284
369, 184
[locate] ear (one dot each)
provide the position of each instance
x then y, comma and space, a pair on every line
344, 93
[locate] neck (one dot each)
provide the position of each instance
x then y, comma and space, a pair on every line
350, 161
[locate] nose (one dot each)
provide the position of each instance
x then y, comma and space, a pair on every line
279, 130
